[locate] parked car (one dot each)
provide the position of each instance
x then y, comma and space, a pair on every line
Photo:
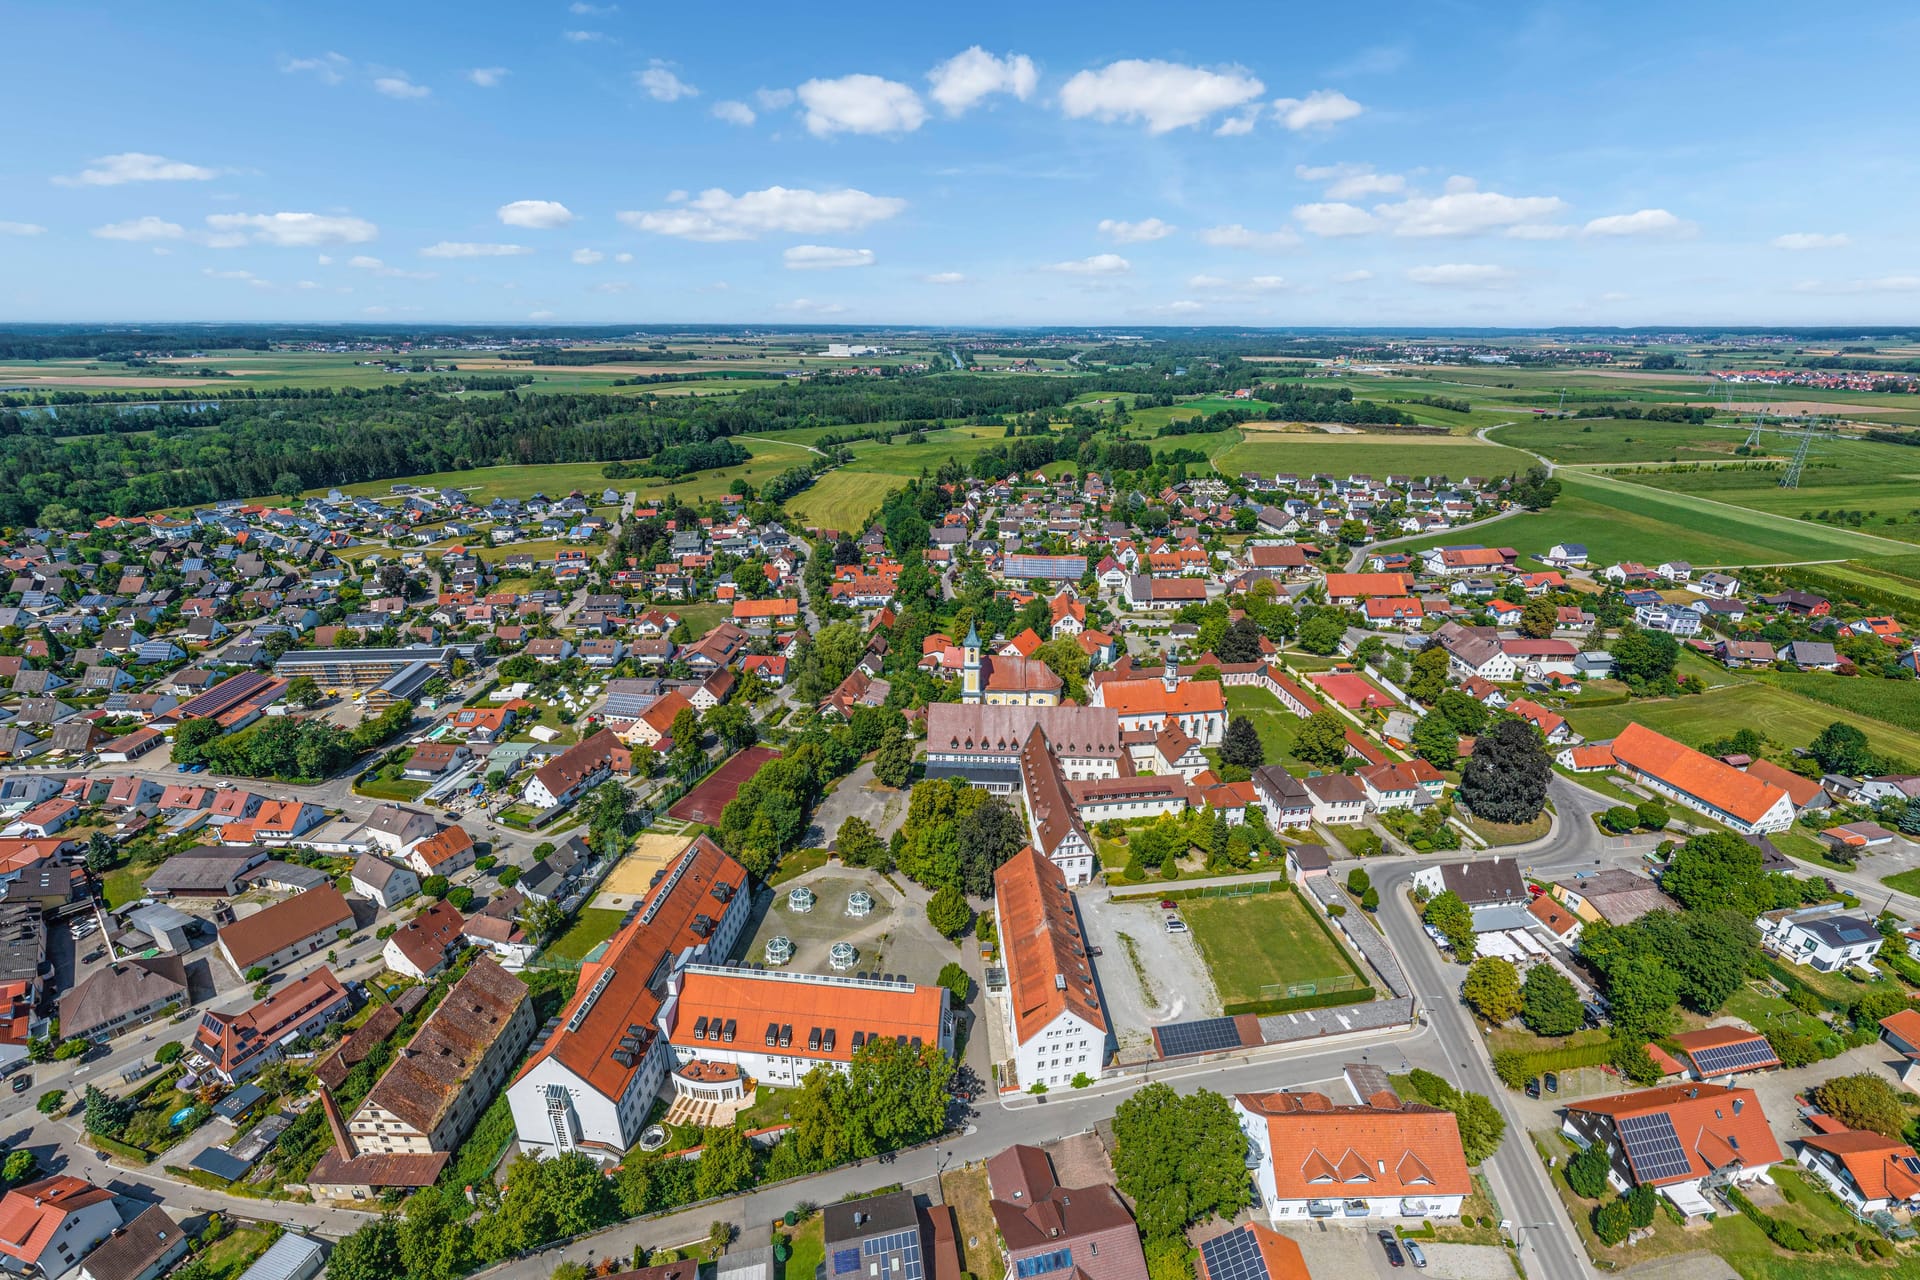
21, 1084
1176, 925
1416, 1254
1553, 1081
1533, 1086
1392, 1247
1167, 904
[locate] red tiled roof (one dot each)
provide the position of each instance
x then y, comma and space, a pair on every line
753, 1001
1322, 1150
1712, 1129
1040, 938
1680, 766
255, 937
1876, 1163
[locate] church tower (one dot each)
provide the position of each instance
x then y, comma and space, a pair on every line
970, 665
1170, 673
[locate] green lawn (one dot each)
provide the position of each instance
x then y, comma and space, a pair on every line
234, 1252
125, 884
594, 927
1258, 941
1904, 881
809, 1250
1788, 719
390, 788
1277, 726
1896, 702
702, 618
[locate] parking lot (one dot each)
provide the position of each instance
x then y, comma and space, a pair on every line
1159, 978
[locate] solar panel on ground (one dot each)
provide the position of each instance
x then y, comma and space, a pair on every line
1234, 1256
1653, 1148
1720, 1059
1207, 1035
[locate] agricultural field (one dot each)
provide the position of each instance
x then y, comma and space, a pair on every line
1377, 454
1618, 520
1783, 716
1288, 945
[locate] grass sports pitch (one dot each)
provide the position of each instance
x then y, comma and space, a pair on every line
1261, 941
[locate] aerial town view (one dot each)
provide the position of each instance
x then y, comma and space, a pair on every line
1003, 644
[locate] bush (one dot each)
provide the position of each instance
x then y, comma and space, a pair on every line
1620, 819
1653, 815
1642, 1202
172, 1051
1587, 1172
51, 1101
255, 973
1612, 1222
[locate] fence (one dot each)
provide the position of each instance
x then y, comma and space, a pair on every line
1240, 889
1318, 986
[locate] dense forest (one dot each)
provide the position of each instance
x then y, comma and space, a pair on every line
96, 458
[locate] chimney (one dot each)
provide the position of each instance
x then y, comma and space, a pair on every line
341, 1142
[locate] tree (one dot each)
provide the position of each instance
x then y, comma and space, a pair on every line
1181, 1158
1642, 1203
1428, 678
956, 980
1063, 656
1322, 740
947, 911
303, 691
1842, 748
1454, 921
1863, 1102
734, 724
1358, 881
1505, 780
1719, 869
1241, 745
1909, 819
1539, 618
1620, 819
106, 1115
460, 897
19, 1167
102, 853
1493, 989
1436, 741
893, 765
1587, 1172
1241, 642
858, 846
171, 1051
1549, 1005
988, 835
1481, 1126
1613, 1221
436, 886
370, 1253
1652, 815
726, 1163
1641, 996
1321, 634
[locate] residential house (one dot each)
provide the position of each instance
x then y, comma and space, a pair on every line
1312, 1158
1681, 1139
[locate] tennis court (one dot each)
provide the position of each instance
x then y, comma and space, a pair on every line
704, 803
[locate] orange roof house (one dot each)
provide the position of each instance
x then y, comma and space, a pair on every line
39, 1221
1868, 1171
776, 610
1748, 804
808, 1018
1675, 1135
1343, 587
1049, 976
1394, 1155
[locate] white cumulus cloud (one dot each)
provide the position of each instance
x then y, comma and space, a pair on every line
1318, 110
1135, 232
541, 215
135, 166
587, 257
141, 229
1644, 222
1465, 210
467, 249
734, 112
1460, 275
662, 85
1334, 218
820, 257
946, 277
399, 86
1351, 181
583, 37
715, 214
1100, 264
20, 228
1811, 240
1235, 126
1353, 277
773, 99
860, 104
487, 77
1250, 284
1235, 236
1162, 95
808, 306
963, 80
291, 230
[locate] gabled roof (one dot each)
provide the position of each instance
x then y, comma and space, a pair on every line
425, 1077
1701, 776
1048, 972
253, 938
1324, 1150
31, 1214
1879, 1167
1713, 1127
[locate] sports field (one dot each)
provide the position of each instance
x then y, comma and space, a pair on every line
629, 881
704, 802
1254, 943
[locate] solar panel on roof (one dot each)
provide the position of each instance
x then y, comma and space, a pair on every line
1234, 1256
1653, 1148
1739, 1056
845, 1261
1204, 1036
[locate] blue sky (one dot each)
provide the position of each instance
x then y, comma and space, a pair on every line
1117, 164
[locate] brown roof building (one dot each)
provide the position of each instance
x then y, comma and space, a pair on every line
282, 933
1055, 1018
1039, 1219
